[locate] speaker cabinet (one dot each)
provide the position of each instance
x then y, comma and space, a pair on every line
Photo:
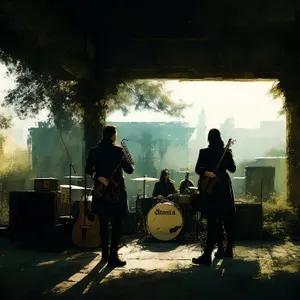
30, 212
46, 184
248, 221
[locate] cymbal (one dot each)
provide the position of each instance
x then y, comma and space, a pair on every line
74, 176
145, 179
73, 187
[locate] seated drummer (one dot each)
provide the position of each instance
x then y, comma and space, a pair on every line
165, 186
185, 184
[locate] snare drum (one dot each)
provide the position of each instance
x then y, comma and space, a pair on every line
164, 221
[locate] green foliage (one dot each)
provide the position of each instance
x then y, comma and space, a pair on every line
35, 91
5, 122
14, 169
13, 161
279, 217
277, 92
144, 94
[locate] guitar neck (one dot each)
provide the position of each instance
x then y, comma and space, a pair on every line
116, 170
222, 157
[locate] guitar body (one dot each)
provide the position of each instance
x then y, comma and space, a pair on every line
109, 194
86, 230
206, 184
99, 189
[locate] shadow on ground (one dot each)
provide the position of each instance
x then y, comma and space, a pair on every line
235, 279
27, 274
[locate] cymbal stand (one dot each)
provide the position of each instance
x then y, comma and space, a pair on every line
71, 166
144, 186
141, 220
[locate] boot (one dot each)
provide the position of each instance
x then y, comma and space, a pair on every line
204, 259
116, 262
220, 252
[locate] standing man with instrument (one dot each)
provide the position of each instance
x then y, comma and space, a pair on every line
104, 164
216, 195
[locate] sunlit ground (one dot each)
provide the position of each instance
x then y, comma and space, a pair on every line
153, 271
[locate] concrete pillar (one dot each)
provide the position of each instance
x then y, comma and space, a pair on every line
291, 88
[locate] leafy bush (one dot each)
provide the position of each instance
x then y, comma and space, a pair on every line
279, 216
15, 172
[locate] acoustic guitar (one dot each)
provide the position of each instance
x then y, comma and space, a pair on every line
86, 230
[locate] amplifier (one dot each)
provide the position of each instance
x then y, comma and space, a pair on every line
248, 224
46, 184
30, 212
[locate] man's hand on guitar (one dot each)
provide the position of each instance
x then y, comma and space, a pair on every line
103, 180
209, 174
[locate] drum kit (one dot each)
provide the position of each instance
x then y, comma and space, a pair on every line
164, 219
167, 218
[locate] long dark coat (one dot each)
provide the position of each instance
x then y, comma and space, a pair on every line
104, 159
220, 203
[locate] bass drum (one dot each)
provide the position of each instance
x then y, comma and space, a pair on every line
164, 221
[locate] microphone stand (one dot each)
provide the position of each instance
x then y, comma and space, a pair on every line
71, 166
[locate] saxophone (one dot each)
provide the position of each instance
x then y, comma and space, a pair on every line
112, 192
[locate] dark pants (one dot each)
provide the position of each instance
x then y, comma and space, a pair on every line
215, 233
115, 234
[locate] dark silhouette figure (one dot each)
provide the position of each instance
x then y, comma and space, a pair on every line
101, 163
219, 208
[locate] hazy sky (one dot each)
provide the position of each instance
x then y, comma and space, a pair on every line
248, 102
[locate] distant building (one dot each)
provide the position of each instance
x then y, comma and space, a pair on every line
252, 142
153, 146
168, 141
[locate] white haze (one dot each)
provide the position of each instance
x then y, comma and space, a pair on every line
248, 102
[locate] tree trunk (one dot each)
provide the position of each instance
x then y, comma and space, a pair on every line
293, 151
290, 86
91, 96
94, 122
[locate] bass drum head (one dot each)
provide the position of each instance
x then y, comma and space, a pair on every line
164, 221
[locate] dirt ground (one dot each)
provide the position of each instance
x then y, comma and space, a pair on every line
153, 271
